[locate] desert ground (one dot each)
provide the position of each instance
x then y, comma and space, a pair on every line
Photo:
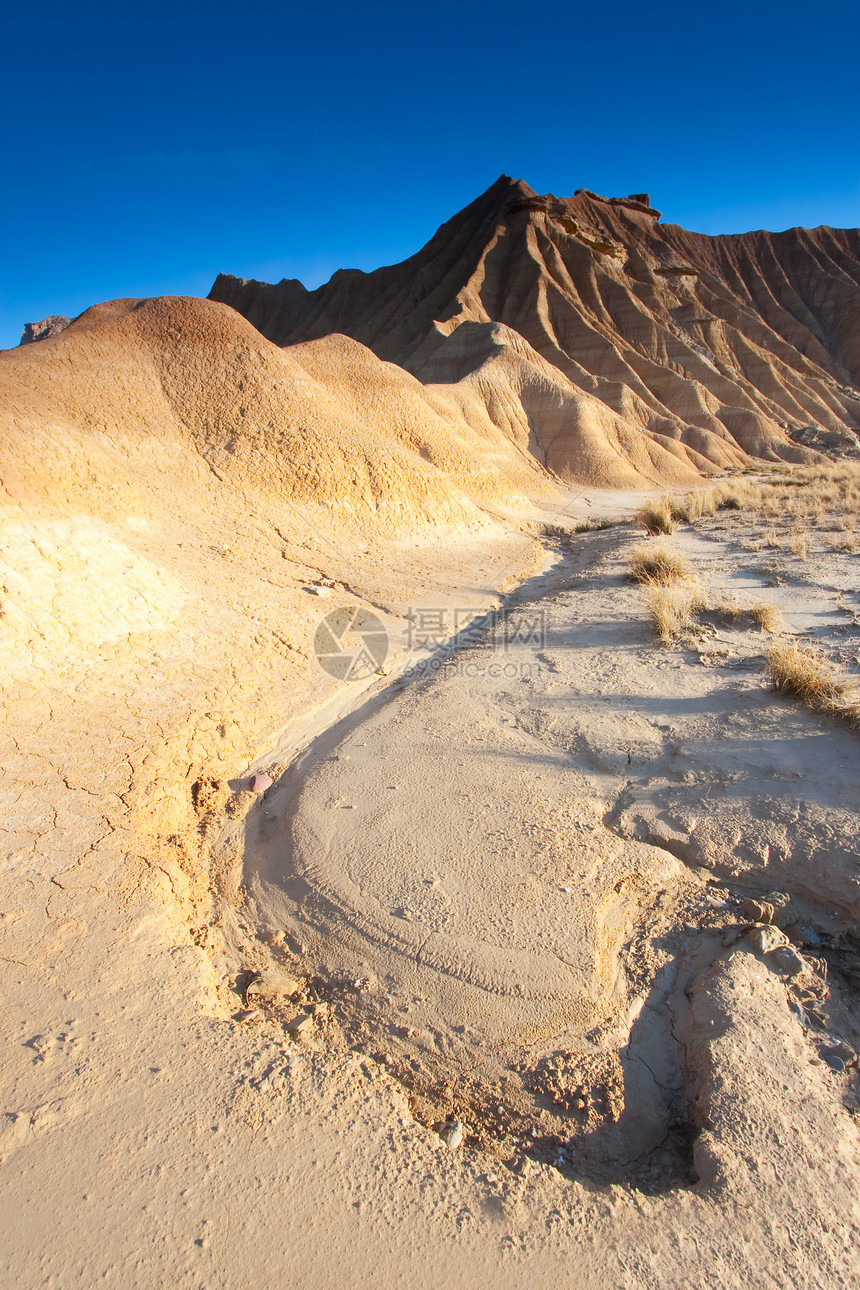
475, 992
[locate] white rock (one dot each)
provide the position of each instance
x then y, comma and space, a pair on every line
453, 1135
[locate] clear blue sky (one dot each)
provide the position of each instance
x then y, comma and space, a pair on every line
144, 150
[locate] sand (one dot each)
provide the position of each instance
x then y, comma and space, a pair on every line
150, 1137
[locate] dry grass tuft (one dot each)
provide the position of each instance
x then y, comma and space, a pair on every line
767, 615
658, 564
805, 674
763, 612
847, 543
657, 517
820, 496
674, 608
695, 506
800, 545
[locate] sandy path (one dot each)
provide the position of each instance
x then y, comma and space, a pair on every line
503, 873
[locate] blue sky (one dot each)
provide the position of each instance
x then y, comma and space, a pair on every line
146, 149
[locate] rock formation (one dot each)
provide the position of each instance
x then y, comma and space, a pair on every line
50, 326
605, 337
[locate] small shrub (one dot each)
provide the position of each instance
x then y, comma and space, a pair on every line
673, 609
767, 615
805, 674
800, 545
595, 526
657, 517
658, 564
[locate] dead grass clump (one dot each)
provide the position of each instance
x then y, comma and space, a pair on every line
658, 564
800, 545
763, 612
805, 674
656, 517
674, 608
738, 495
697, 505
595, 526
767, 615
815, 492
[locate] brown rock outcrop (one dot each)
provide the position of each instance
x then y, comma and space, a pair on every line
50, 326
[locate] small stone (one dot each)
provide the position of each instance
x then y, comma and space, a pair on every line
757, 911
300, 1025
782, 911
843, 1051
764, 939
835, 1063
247, 1014
787, 960
271, 985
731, 938
316, 590
259, 783
453, 1134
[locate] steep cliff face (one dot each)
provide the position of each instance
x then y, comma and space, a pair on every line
588, 310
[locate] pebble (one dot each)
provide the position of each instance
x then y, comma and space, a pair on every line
247, 1014
781, 902
270, 985
835, 1063
260, 782
300, 1025
758, 911
843, 1051
787, 960
318, 591
764, 939
453, 1134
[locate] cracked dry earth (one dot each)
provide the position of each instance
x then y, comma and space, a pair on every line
506, 894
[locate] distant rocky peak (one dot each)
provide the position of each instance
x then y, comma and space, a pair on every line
43, 330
